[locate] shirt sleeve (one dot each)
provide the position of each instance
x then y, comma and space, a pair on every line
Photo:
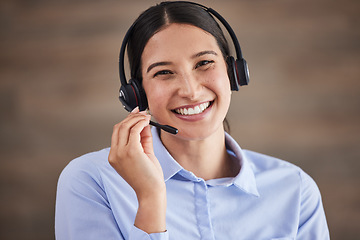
137, 233
83, 211
312, 219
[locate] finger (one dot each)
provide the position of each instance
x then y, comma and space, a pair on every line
135, 132
120, 135
147, 140
135, 110
125, 127
115, 136
114, 144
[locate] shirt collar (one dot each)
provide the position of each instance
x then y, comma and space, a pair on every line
168, 164
245, 180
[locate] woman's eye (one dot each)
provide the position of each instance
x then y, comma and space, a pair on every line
204, 63
162, 72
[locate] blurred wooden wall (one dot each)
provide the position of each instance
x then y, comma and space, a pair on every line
59, 85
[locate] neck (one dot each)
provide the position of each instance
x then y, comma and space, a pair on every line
206, 158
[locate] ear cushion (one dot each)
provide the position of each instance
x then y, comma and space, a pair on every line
141, 99
128, 97
131, 96
232, 73
242, 71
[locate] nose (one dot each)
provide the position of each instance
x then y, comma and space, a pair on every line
188, 86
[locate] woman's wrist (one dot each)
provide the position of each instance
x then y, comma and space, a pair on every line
151, 214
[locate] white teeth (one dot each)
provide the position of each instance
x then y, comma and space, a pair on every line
191, 111
197, 110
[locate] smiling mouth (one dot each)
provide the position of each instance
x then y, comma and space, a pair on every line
194, 110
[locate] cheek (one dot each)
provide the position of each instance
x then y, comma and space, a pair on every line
155, 95
219, 81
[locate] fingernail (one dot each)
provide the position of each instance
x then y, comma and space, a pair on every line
135, 109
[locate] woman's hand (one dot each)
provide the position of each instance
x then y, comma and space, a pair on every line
132, 156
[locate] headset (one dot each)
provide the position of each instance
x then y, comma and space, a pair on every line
131, 93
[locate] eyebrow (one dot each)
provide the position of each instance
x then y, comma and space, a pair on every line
204, 53
157, 64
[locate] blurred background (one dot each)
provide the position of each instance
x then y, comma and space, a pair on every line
59, 87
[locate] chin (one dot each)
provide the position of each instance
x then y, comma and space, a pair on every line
196, 133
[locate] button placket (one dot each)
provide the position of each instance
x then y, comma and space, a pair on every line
202, 206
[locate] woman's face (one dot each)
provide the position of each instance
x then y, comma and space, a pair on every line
185, 80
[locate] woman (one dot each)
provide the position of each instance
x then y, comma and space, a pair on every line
197, 184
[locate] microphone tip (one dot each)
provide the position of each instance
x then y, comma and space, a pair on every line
166, 128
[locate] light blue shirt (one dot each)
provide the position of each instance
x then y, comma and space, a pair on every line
268, 199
